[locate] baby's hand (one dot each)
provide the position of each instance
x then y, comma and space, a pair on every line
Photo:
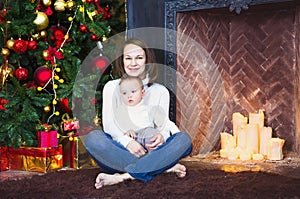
131, 134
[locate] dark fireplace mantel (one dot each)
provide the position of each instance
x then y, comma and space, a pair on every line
275, 87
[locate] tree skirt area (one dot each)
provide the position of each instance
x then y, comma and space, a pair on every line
200, 182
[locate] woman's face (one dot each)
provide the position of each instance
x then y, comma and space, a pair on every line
134, 60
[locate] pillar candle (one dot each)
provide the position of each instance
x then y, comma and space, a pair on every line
224, 153
233, 154
242, 137
245, 155
257, 118
257, 156
265, 134
228, 141
238, 120
274, 149
252, 138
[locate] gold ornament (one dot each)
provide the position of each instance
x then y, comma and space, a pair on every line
42, 21
43, 33
94, 13
70, 5
81, 9
5, 52
97, 121
5, 70
36, 36
59, 5
10, 43
47, 2
104, 38
47, 109
45, 54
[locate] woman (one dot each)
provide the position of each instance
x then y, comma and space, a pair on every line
116, 152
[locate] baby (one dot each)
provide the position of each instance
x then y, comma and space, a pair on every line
142, 121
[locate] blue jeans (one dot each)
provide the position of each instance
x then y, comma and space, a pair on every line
112, 157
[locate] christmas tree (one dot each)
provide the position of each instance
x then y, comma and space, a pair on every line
43, 44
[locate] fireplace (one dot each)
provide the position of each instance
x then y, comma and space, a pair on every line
234, 57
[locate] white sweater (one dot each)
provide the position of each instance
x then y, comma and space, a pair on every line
155, 95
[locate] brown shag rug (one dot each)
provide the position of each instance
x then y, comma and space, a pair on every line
199, 183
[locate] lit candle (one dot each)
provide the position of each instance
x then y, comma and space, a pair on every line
274, 149
242, 137
245, 155
265, 134
257, 118
228, 141
252, 138
238, 120
224, 153
232, 154
257, 156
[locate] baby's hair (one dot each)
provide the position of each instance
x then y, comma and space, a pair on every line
128, 77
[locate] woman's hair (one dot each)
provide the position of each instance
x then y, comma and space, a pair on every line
150, 67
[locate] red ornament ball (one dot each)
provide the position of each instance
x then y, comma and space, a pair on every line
94, 37
21, 74
20, 46
83, 28
64, 104
32, 45
100, 63
42, 75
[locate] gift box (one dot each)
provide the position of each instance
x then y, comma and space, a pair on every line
69, 124
3, 158
47, 139
75, 154
72, 125
35, 158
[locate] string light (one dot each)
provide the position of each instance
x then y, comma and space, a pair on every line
54, 68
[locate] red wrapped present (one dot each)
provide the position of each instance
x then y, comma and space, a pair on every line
3, 158
47, 139
74, 153
70, 124
35, 159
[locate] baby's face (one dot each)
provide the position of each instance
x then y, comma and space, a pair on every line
131, 92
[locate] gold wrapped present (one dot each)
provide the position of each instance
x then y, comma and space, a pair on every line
75, 154
35, 159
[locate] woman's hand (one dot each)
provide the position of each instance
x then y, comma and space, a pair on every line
136, 149
157, 141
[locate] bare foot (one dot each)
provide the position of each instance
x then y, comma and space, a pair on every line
104, 179
179, 169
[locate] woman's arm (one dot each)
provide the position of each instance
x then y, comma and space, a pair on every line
158, 96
